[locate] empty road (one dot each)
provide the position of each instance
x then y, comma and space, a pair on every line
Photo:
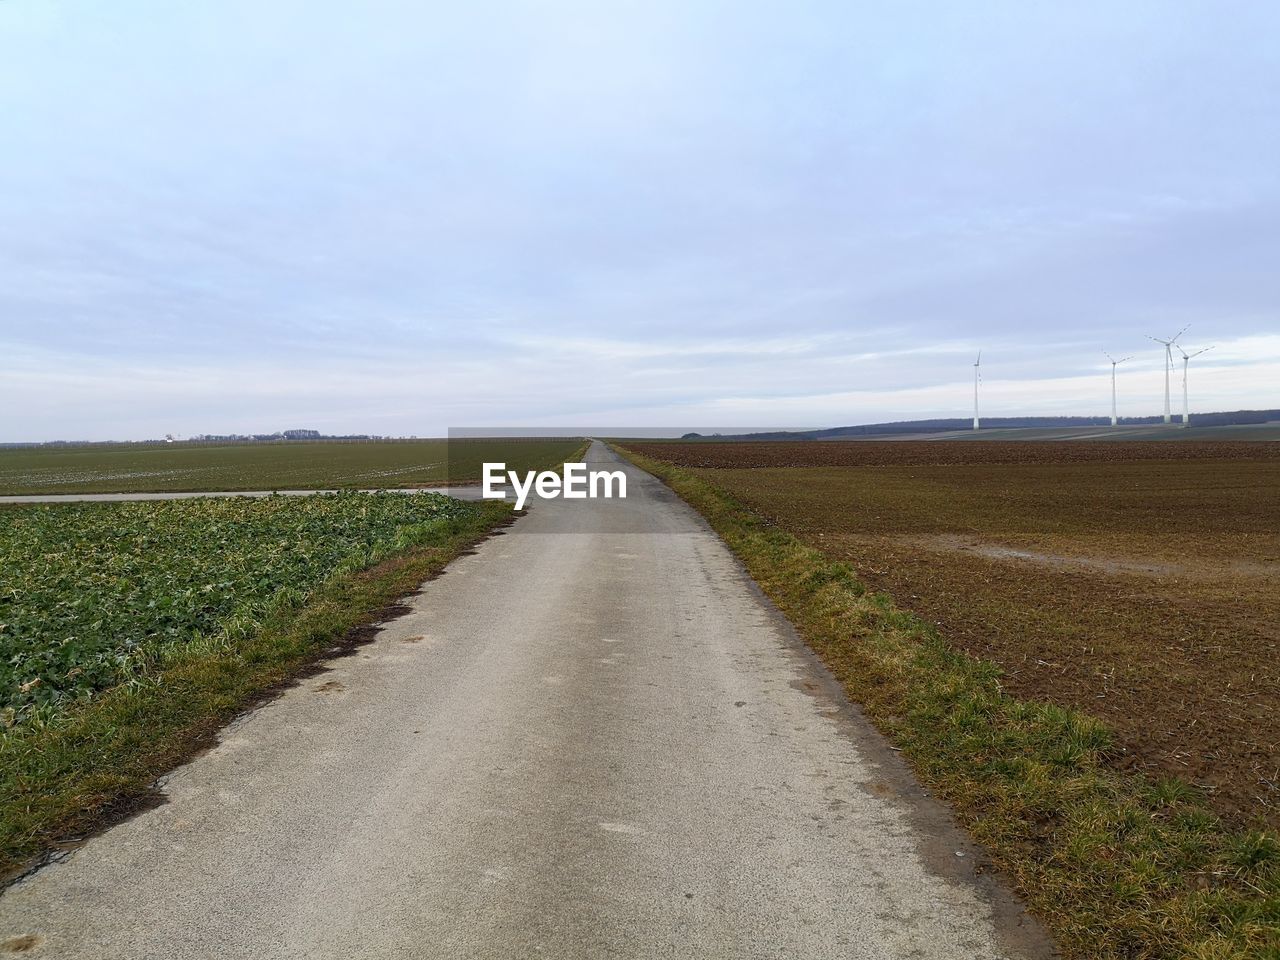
591, 738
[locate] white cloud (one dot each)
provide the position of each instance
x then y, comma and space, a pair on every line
399, 218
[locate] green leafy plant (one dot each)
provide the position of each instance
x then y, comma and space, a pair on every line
94, 595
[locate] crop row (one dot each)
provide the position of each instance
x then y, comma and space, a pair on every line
93, 594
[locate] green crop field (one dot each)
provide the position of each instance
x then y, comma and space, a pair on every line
94, 594
287, 465
130, 632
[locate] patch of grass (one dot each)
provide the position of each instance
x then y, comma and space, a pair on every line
1116, 866
63, 776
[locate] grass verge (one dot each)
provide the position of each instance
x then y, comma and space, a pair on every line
62, 781
1116, 865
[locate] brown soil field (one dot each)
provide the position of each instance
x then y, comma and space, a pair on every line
847, 453
1138, 582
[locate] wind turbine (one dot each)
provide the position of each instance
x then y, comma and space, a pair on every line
1168, 367
1114, 363
1186, 359
977, 368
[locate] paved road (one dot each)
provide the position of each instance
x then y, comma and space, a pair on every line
592, 738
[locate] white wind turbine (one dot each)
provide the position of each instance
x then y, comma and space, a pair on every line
1114, 363
1186, 359
1168, 367
977, 369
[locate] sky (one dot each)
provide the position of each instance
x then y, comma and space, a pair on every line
398, 217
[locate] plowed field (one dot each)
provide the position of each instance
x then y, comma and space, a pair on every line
1138, 582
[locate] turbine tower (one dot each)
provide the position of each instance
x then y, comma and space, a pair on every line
1186, 359
977, 369
1114, 363
1168, 367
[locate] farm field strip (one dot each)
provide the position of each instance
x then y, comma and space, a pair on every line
865, 453
267, 466
94, 594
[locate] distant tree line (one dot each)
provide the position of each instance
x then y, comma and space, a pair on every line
282, 435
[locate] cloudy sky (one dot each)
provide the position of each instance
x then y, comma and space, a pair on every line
400, 217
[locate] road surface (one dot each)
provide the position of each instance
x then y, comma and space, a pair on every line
591, 738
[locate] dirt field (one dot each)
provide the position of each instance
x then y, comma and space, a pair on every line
855, 453
1138, 582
